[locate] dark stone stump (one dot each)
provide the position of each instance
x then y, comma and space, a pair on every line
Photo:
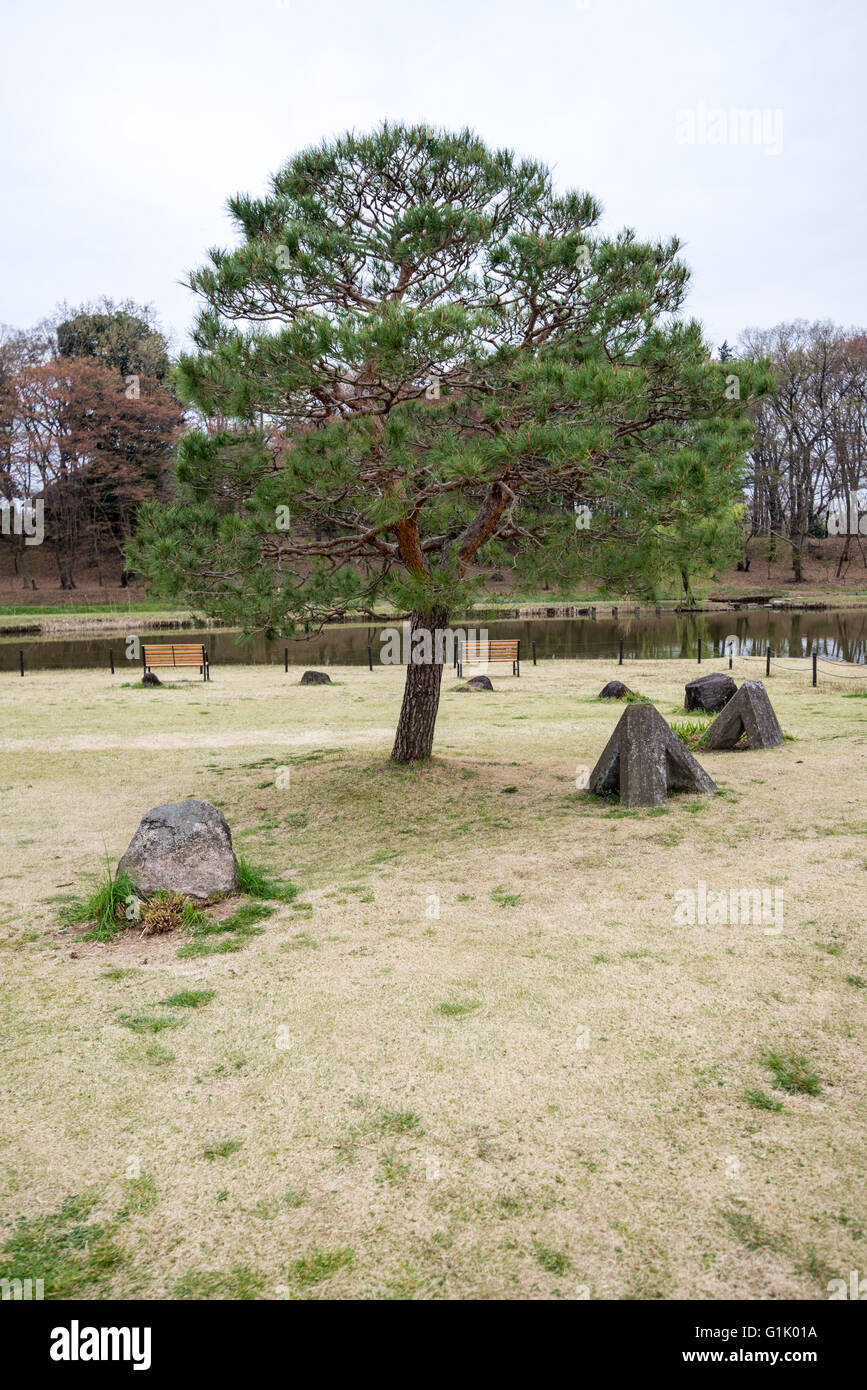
614, 690
709, 693
315, 678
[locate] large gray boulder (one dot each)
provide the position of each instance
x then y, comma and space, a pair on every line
709, 693
645, 760
750, 712
182, 847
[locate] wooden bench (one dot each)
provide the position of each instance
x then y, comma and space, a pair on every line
477, 653
176, 654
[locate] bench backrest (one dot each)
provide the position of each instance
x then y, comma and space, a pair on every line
177, 654
498, 649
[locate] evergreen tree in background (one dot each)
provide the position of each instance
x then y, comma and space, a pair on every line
422, 359
121, 336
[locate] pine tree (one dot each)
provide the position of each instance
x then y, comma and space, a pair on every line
426, 359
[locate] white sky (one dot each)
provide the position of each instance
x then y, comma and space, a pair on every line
126, 127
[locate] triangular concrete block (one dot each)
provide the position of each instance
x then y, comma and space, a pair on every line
749, 712
645, 760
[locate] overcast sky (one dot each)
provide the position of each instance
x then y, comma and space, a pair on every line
126, 127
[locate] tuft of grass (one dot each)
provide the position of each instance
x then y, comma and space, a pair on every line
761, 1100
234, 931
399, 1122
748, 1230
238, 1284
451, 1010
792, 1072
504, 899
147, 1023
105, 906
690, 731
317, 1265
857, 980
189, 999
141, 1196
75, 1257
256, 884
222, 1148
554, 1261
302, 942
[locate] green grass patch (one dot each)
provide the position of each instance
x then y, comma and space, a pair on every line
255, 883
317, 1265
793, 1072
105, 906
222, 1148
554, 1261
748, 1230
189, 999
762, 1100
233, 932
147, 1023
690, 731
453, 1010
237, 1284
399, 1122
76, 1258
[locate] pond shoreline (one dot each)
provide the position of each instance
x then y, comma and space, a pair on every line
111, 624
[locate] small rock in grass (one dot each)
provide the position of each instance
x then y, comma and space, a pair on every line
709, 693
614, 690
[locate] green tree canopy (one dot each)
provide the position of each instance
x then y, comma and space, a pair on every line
121, 336
426, 358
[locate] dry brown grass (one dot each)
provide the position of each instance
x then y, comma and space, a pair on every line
380, 1102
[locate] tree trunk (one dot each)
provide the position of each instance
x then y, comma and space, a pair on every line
65, 569
421, 695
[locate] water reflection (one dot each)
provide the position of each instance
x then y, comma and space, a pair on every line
840, 635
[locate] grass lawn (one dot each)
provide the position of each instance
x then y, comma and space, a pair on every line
477, 1056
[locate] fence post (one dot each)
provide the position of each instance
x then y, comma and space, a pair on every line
620, 656
815, 658
699, 651
534, 653
111, 659
21, 659
768, 663
286, 660
370, 656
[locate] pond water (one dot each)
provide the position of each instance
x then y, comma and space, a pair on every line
840, 635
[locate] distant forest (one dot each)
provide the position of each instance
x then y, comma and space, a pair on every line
89, 419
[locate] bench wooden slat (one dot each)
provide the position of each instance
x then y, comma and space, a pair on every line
175, 654
475, 651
